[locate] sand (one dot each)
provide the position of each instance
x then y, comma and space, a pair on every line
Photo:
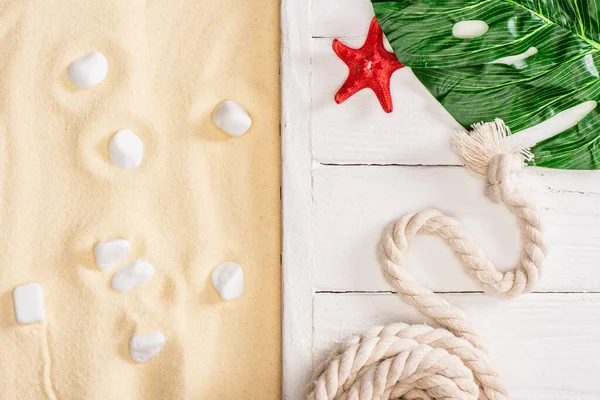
199, 198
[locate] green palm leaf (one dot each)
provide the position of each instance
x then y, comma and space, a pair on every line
462, 75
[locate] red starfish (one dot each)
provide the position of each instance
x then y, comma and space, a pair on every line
371, 66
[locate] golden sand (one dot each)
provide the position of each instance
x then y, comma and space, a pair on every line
199, 198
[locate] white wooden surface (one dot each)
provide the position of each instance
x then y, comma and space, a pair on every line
350, 169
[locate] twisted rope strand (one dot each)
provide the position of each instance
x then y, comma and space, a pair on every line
418, 362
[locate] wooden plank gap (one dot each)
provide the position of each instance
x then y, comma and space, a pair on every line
328, 164
477, 292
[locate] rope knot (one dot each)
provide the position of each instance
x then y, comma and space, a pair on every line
484, 148
501, 177
485, 154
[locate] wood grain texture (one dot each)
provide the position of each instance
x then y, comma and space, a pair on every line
539, 342
340, 18
296, 198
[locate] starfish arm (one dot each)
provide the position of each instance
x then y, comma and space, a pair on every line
384, 94
391, 68
349, 88
374, 36
345, 53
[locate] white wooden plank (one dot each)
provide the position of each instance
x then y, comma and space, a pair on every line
296, 197
341, 18
359, 131
354, 204
545, 345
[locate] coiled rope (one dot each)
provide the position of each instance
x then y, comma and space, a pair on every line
413, 362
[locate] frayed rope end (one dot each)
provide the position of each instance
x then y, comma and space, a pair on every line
485, 141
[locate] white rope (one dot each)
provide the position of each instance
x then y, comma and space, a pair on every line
419, 362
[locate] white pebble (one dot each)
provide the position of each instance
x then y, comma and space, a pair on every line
88, 71
232, 118
126, 149
29, 304
228, 279
131, 275
144, 347
110, 252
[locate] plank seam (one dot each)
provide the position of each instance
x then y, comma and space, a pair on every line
360, 292
326, 164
